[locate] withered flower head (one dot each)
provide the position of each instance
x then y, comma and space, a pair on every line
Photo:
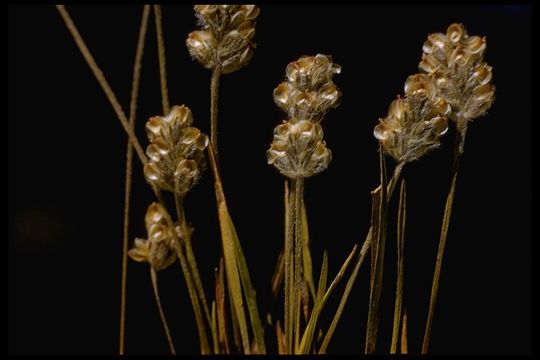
176, 152
226, 36
309, 91
157, 249
414, 123
455, 61
298, 150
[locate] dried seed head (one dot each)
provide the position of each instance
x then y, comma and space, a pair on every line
455, 61
309, 92
176, 152
227, 37
157, 249
414, 123
298, 150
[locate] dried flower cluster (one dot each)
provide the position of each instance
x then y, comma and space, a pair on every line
455, 61
298, 149
414, 123
226, 36
157, 249
456, 85
176, 151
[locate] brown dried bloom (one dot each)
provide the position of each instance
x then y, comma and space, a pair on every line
157, 249
309, 92
455, 61
414, 123
226, 36
298, 149
176, 151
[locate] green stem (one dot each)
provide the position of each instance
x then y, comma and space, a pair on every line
153, 275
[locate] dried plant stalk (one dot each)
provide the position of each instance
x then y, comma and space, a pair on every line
102, 82
129, 166
162, 60
455, 61
378, 250
402, 217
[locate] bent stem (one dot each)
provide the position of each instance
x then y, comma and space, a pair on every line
129, 169
153, 274
214, 96
458, 151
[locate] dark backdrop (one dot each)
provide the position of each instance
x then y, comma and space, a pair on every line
66, 173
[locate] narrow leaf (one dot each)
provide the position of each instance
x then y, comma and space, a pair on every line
220, 309
228, 235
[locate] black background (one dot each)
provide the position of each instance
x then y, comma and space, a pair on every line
66, 173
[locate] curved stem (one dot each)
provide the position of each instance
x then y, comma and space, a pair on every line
214, 95
161, 313
129, 169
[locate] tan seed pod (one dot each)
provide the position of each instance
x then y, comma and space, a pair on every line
173, 142
157, 250
455, 61
226, 39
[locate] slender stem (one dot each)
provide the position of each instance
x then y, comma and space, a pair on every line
354, 274
192, 262
402, 217
129, 169
162, 60
214, 96
102, 82
205, 348
458, 151
289, 273
298, 195
153, 274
